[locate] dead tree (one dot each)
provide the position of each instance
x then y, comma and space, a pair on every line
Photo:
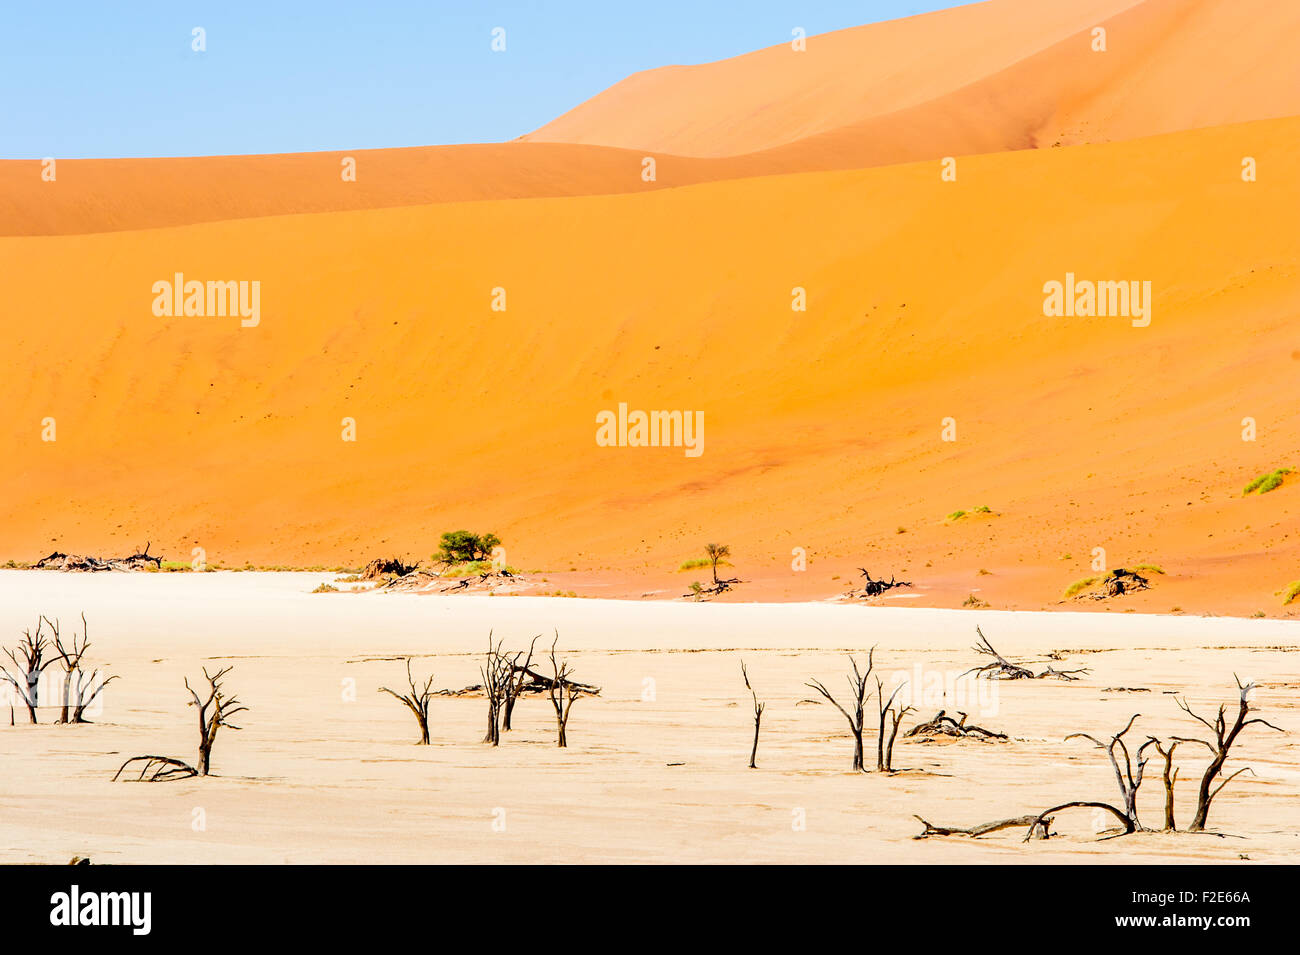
1169, 776
417, 701
564, 693
497, 675
857, 700
1125, 777
79, 689
28, 659
758, 716
222, 708
515, 683
1003, 669
1224, 737
888, 713
214, 712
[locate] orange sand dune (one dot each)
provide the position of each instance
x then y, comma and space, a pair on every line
993, 76
822, 428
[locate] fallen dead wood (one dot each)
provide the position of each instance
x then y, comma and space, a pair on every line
1043, 824
434, 582
1044, 817
700, 592
874, 588
1003, 669
85, 563
945, 725
382, 568
158, 769
531, 682
1115, 584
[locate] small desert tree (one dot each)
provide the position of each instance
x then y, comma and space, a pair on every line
758, 716
717, 552
564, 693
29, 662
462, 547
417, 700
1224, 737
857, 703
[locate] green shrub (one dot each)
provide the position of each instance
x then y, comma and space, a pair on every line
1078, 585
1266, 482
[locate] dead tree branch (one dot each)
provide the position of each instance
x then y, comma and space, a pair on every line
157, 769
1040, 823
874, 588
1003, 669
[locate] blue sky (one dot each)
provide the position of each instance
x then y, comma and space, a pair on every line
115, 78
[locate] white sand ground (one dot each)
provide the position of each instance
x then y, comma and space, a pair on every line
656, 768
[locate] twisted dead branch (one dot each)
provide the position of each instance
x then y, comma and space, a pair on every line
1003, 669
874, 588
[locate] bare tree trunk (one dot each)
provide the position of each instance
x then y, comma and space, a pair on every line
64, 712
